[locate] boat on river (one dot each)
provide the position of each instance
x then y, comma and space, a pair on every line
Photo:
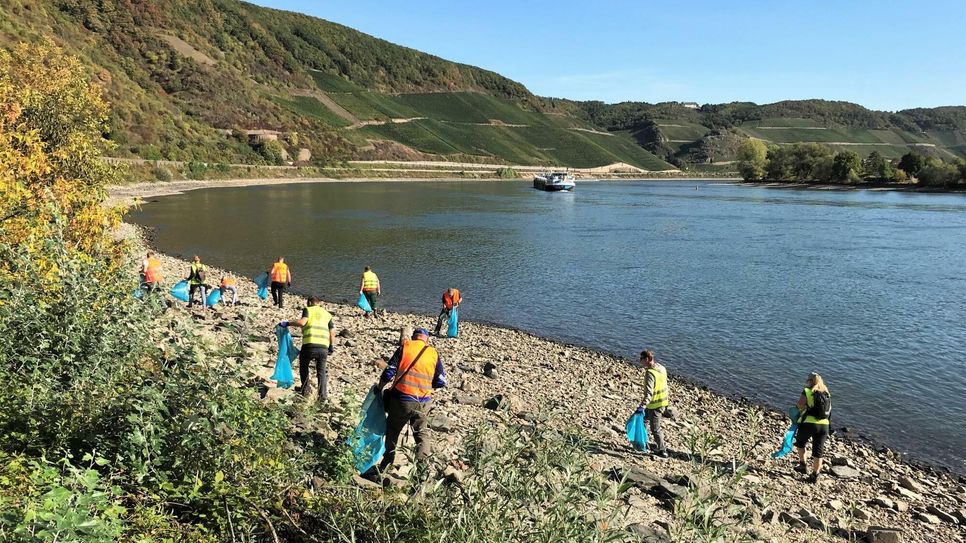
554, 181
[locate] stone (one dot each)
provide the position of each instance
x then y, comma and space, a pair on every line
911, 484
497, 402
812, 520
908, 494
901, 506
670, 413
489, 370
463, 398
884, 502
454, 475
649, 534
769, 516
841, 461
943, 516
792, 521
861, 514
836, 505
642, 479
669, 491
876, 534
845, 472
927, 518
961, 516
440, 423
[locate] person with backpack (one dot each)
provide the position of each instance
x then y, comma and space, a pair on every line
196, 281
656, 399
815, 406
414, 370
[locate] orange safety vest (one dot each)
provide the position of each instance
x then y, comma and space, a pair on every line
279, 272
418, 381
450, 301
152, 274
228, 281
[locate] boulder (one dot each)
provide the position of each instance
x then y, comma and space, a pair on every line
792, 521
812, 520
845, 472
884, 502
908, 494
876, 534
911, 484
640, 478
943, 516
927, 518
649, 534
463, 398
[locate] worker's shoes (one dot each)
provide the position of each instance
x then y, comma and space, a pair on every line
662, 454
801, 468
813, 478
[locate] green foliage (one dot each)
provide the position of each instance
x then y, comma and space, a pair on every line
752, 159
195, 170
846, 166
877, 167
524, 483
912, 163
272, 151
507, 173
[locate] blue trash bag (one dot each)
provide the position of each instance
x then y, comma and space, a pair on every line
788, 440
637, 430
262, 283
368, 440
287, 353
180, 291
213, 297
138, 293
453, 326
364, 303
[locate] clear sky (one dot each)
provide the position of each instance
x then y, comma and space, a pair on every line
883, 54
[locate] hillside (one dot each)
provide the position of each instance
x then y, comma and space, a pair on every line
694, 135
191, 81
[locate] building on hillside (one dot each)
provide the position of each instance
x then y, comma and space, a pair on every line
690, 105
256, 136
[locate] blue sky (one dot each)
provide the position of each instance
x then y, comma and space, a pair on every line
883, 54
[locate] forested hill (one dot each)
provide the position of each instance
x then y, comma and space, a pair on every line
226, 81
689, 133
180, 74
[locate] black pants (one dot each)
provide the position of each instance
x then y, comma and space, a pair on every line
443, 317
204, 294
398, 415
278, 289
818, 433
319, 354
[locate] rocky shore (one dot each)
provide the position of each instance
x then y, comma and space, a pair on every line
499, 376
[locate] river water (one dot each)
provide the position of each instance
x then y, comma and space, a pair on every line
744, 289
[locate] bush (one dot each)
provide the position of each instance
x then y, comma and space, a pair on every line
507, 173
195, 170
162, 174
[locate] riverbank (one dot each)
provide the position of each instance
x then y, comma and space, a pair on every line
593, 392
819, 185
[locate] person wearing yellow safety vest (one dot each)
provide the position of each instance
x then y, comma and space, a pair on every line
815, 406
656, 399
370, 288
151, 273
414, 370
280, 277
196, 281
318, 342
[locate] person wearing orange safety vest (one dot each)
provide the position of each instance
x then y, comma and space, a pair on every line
414, 370
451, 299
656, 399
280, 277
229, 283
151, 273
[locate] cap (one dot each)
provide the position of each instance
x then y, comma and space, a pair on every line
420, 332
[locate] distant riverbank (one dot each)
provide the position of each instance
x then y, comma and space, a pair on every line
822, 185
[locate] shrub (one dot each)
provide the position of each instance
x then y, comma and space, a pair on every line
162, 174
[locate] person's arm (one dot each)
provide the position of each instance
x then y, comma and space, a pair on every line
439, 377
802, 402
362, 284
331, 336
301, 322
648, 388
288, 272
378, 287
391, 368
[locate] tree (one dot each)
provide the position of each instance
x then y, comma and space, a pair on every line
912, 163
846, 166
937, 173
52, 180
752, 159
876, 166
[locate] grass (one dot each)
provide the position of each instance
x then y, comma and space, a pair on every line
468, 107
782, 121
333, 83
368, 105
310, 107
682, 130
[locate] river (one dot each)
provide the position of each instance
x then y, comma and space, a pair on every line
745, 289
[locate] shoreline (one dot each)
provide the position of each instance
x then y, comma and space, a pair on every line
873, 187
535, 374
152, 190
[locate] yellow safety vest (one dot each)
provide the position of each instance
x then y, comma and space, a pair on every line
370, 282
809, 403
660, 397
195, 269
316, 329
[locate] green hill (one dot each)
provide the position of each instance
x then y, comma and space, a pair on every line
181, 75
686, 135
